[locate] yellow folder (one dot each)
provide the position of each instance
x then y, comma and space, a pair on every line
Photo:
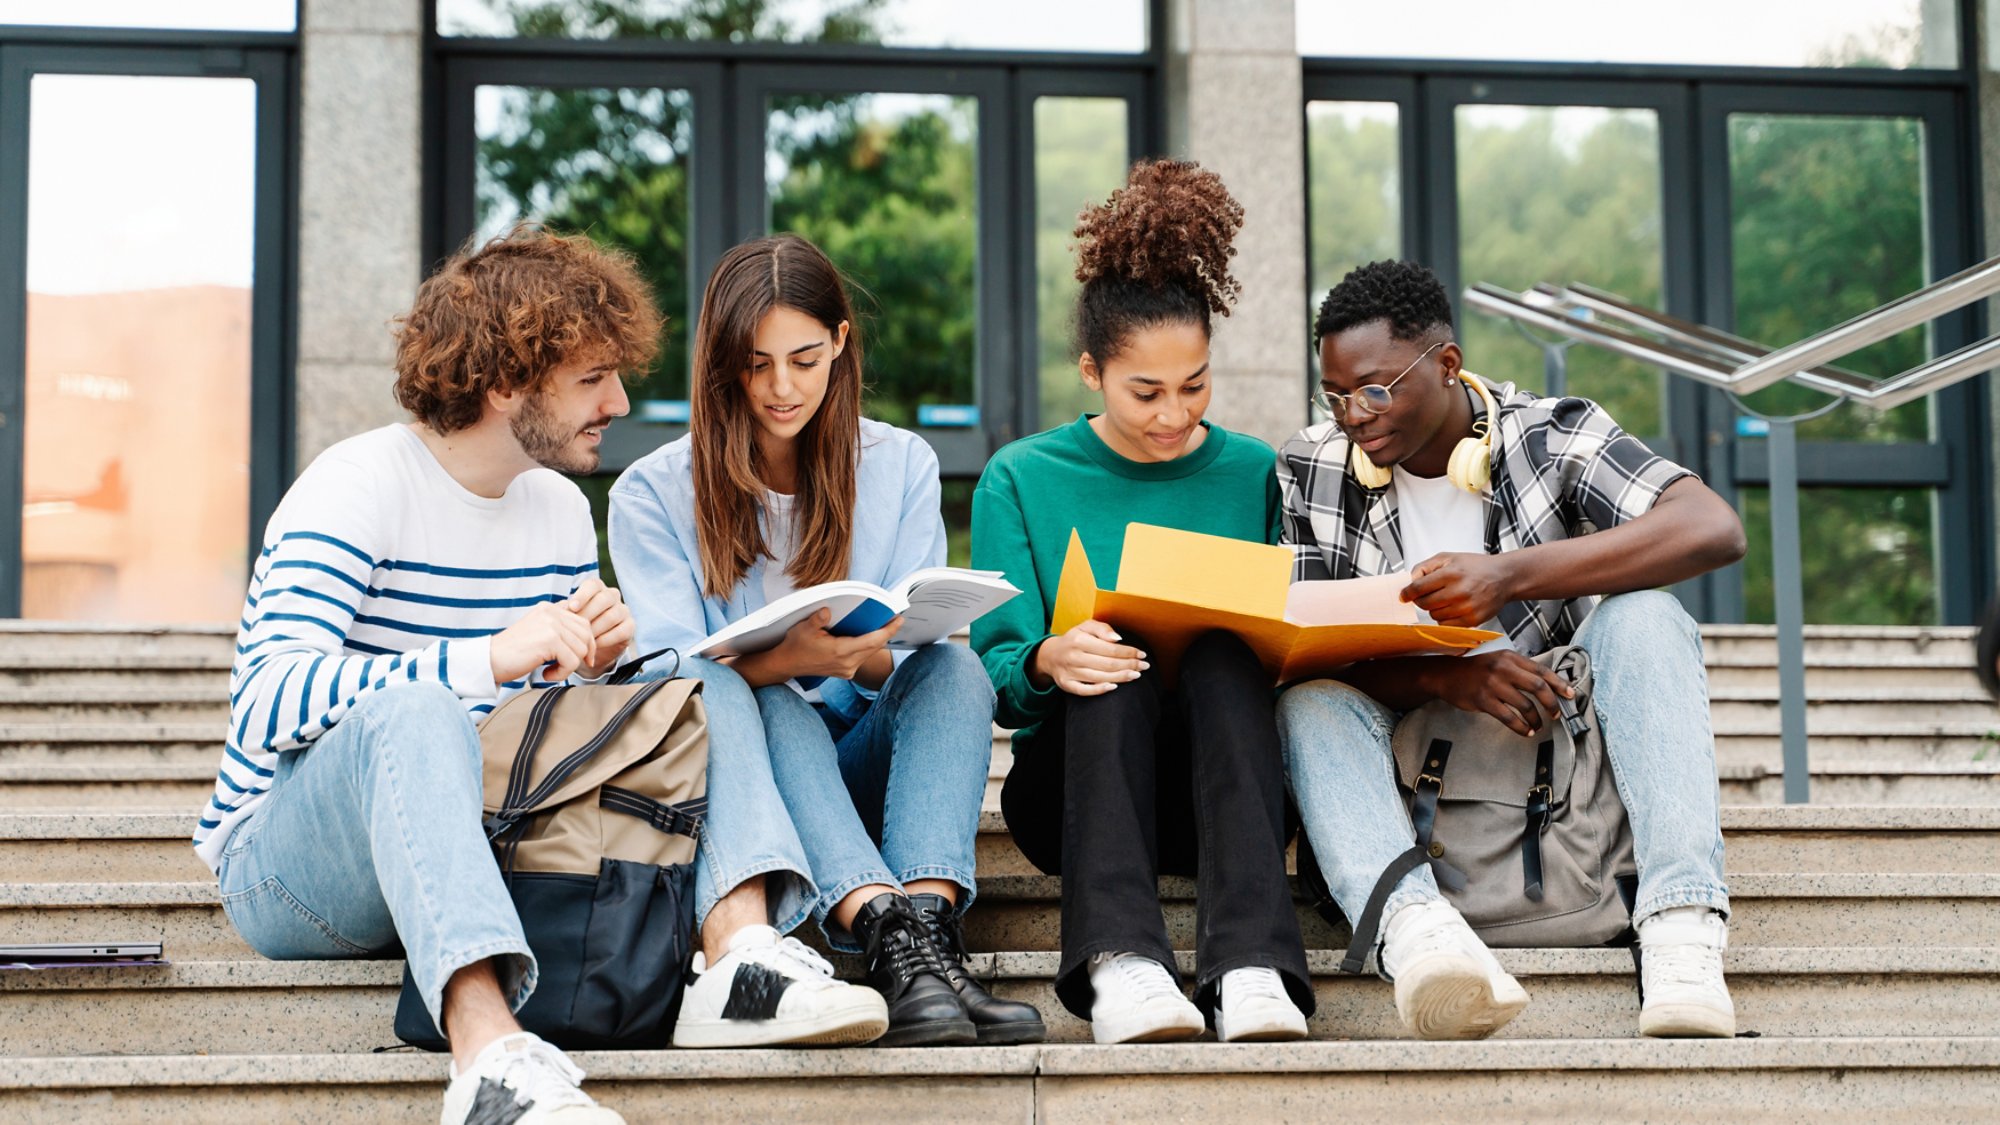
1174, 585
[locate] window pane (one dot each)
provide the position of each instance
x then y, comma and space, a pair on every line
1860, 33
228, 15
1827, 222
1354, 191
138, 336
1117, 26
1080, 159
610, 162
1562, 194
885, 184
1868, 556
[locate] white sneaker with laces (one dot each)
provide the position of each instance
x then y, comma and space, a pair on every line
766, 991
1680, 971
1138, 1002
1448, 984
1253, 1006
521, 1080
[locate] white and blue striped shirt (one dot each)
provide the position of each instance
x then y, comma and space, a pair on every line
378, 568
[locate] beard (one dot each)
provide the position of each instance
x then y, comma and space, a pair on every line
548, 440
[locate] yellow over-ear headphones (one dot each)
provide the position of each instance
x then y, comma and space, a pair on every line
1471, 464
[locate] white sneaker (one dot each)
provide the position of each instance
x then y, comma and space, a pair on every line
1680, 969
1448, 985
1253, 1006
766, 990
520, 1078
1138, 1002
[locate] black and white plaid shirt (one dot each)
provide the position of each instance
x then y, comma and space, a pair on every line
1561, 468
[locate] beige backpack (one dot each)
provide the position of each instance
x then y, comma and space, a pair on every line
594, 798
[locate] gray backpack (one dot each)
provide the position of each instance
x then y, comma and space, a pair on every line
1527, 836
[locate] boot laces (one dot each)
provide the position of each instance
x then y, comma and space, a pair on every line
901, 942
947, 933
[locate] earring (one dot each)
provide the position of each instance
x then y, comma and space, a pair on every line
1451, 382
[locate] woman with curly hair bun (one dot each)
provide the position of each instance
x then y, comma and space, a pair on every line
1117, 778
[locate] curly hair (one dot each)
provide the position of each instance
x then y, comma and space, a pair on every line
1406, 295
1156, 252
507, 315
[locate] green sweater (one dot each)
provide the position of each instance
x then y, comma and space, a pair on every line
1036, 489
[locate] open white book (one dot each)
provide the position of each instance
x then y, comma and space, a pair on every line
933, 602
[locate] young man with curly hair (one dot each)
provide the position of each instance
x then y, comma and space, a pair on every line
412, 579
1565, 538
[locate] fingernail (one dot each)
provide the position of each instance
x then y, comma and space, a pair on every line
1144, 665
1115, 636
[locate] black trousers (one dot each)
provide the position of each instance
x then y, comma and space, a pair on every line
1123, 787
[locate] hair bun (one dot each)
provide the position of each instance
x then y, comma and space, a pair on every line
1172, 224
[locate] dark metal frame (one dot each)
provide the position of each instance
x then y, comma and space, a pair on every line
268, 59
1693, 105
730, 83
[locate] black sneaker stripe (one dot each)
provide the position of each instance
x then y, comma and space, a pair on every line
754, 993
494, 1104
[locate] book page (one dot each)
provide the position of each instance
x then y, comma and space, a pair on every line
1352, 601
942, 601
763, 629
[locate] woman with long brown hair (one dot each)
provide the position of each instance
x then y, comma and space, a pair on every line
781, 484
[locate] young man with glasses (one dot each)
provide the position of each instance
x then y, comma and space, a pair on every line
1560, 531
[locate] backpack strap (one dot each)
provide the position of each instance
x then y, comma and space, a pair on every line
684, 819
1540, 811
1371, 915
1423, 818
1430, 783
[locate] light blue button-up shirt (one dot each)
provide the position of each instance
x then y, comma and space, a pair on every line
654, 542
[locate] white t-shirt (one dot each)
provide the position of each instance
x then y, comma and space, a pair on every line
1438, 517
779, 535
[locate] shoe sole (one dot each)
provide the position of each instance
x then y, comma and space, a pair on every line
835, 1029
1686, 1021
1154, 1035
931, 1033
1011, 1034
1453, 998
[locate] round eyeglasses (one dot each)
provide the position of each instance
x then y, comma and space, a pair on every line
1373, 398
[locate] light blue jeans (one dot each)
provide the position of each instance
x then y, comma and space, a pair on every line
1651, 697
748, 833
371, 837
892, 795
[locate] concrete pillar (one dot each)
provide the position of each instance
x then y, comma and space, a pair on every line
360, 180
1234, 104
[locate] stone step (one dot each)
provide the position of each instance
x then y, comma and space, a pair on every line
114, 703
98, 846
182, 785
1868, 783
1744, 643
309, 1007
1827, 1080
30, 640
1019, 912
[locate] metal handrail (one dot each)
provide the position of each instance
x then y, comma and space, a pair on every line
1921, 307
1741, 366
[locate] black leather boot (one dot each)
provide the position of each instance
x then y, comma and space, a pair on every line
906, 968
997, 1021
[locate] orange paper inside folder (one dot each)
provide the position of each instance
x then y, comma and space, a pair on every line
1173, 586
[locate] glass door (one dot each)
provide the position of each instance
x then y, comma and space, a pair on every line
1823, 206
142, 434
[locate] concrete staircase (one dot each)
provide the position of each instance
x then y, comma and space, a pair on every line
1864, 949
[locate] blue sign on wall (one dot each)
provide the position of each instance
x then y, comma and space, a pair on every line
674, 410
948, 415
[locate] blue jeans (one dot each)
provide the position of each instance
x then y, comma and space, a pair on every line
371, 837
895, 795
1651, 697
748, 833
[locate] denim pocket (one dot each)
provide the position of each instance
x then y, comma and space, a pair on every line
280, 927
